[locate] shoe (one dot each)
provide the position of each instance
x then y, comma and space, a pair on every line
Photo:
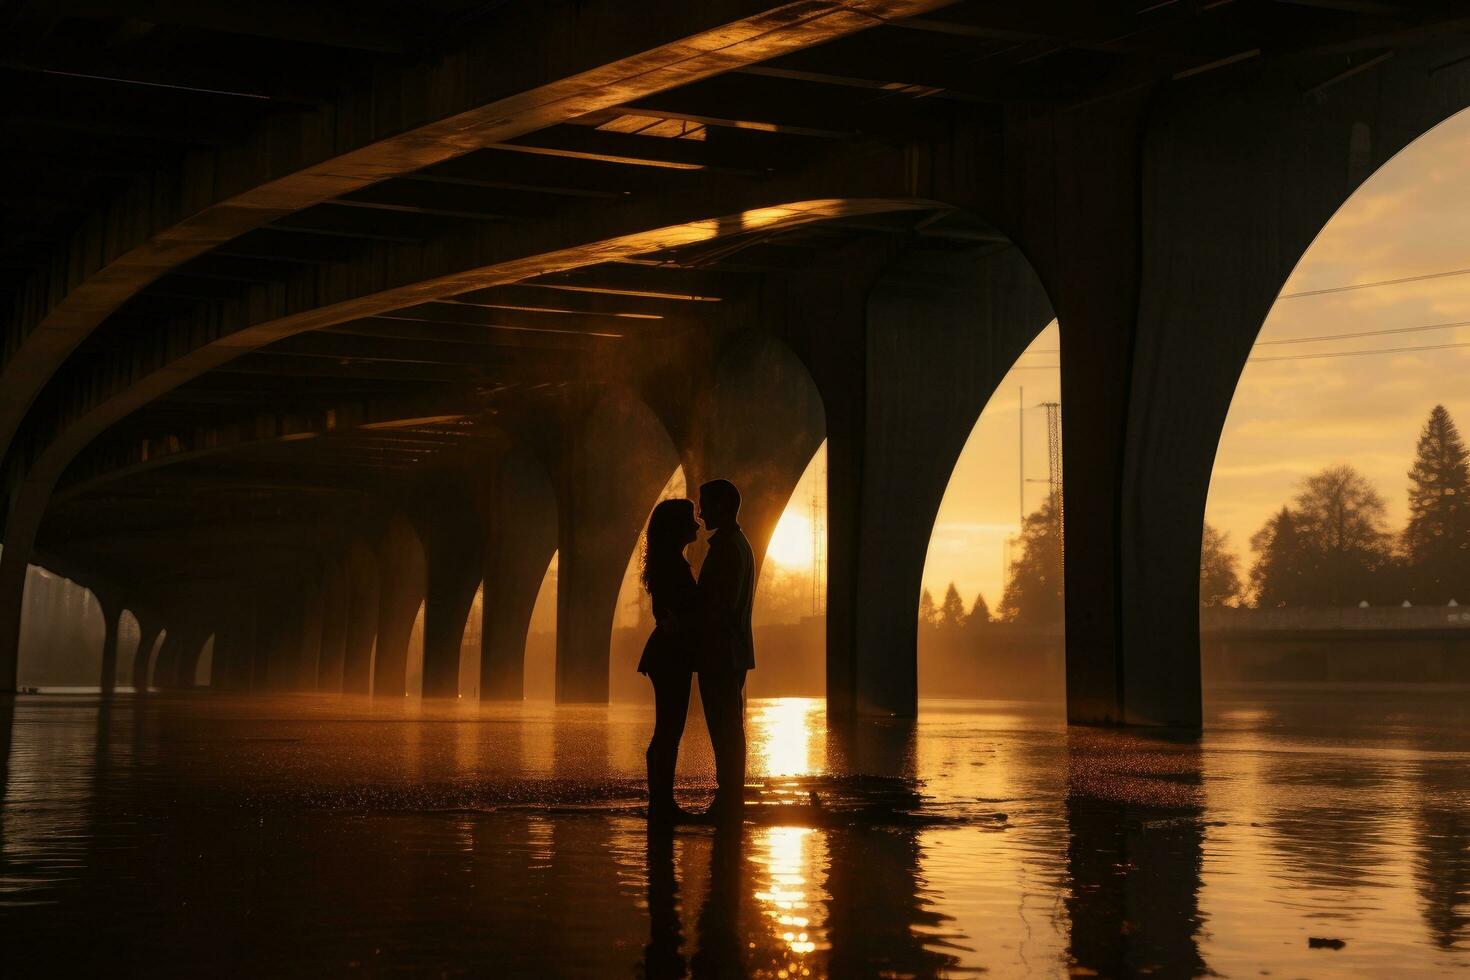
669, 814
724, 811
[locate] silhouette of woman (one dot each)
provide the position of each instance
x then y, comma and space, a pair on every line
668, 657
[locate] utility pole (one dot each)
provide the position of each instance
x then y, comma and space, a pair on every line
819, 591
1054, 466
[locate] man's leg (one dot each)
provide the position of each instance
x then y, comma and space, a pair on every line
724, 712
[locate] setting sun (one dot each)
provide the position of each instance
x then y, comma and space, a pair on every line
791, 543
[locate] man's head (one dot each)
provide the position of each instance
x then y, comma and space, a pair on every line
719, 504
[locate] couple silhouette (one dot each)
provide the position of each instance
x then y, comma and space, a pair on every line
702, 627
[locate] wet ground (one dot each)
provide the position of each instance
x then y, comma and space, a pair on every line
1308, 833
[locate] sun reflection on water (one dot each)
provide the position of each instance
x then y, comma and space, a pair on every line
787, 857
781, 735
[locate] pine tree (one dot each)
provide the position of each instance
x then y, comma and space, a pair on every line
952, 610
1033, 596
979, 612
1437, 539
928, 616
1280, 571
1219, 584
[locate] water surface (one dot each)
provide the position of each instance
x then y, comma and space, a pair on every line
205, 834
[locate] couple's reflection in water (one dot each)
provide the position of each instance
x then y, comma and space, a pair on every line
1132, 831
815, 896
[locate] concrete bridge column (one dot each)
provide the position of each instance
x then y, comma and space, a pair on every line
148, 631
454, 565
758, 423
611, 472
112, 620
520, 520
166, 663
335, 600
282, 621
188, 661
361, 626
309, 661
401, 592
906, 368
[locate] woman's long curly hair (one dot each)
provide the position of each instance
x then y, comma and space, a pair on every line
663, 542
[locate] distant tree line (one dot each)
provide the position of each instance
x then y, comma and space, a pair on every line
1330, 546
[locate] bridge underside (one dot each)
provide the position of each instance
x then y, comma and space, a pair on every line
311, 324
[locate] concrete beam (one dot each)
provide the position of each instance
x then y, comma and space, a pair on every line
589, 57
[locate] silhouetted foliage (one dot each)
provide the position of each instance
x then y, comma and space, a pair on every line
1219, 583
1033, 596
1278, 577
928, 615
979, 613
1331, 550
1437, 539
952, 610
1340, 517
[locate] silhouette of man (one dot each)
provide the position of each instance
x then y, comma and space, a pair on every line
726, 593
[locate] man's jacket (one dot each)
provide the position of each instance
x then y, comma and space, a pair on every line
726, 594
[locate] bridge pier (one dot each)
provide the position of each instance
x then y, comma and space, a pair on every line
521, 536
148, 632
335, 600
455, 564
111, 623
362, 618
611, 472
400, 593
759, 422
907, 369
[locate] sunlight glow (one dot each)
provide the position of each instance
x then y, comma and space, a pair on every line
781, 731
791, 542
784, 853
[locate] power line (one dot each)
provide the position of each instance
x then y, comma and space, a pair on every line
1358, 353
1365, 333
1371, 285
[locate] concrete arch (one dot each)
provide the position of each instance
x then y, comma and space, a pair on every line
1157, 320
613, 464
941, 328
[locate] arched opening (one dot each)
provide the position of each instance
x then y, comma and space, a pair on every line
204, 665
61, 633
469, 647
129, 636
540, 676
790, 609
1336, 548
413, 679
991, 609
